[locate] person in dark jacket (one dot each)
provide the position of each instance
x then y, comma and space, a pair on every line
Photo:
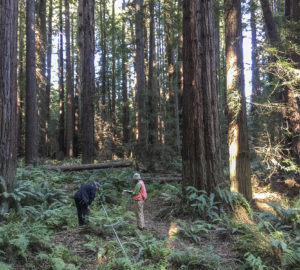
83, 199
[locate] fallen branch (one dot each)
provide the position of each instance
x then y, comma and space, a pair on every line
81, 167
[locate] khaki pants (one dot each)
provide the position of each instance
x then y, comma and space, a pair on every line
139, 212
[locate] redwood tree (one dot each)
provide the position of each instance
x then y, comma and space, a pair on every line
86, 28
201, 138
239, 161
8, 95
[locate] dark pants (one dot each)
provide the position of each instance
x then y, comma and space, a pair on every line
82, 210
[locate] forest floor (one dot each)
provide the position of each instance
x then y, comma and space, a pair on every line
278, 189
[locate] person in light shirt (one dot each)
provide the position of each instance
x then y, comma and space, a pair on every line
139, 195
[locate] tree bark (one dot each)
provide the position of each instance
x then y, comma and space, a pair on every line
87, 76
152, 87
48, 85
140, 78
8, 95
41, 75
69, 87
239, 161
125, 107
61, 128
31, 143
201, 143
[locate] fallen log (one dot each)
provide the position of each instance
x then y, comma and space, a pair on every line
81, 167
163, 179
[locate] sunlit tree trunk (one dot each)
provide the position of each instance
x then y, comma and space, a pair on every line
86, 28
69, 87
31, 133
200, 146
239, 161
8, 96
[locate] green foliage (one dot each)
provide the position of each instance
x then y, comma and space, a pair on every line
253, 262
4, 266
195, 230
196, 259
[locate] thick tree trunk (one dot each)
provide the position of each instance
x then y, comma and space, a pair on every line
41, 72
8, 95
69, 87
239, 161
200, 148
31, 143
87, 76
140, 78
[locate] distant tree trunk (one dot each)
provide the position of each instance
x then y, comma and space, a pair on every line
61, 132
113, 70
8, 96
86, 25
103, 61
125, 107
170, 94
292, 9
21, 80
256, 86
200, 145
31, 134
152, 87
140, 78
48, 85
69, 87
41, 78
239, 161
271, 29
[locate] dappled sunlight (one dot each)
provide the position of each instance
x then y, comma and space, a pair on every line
173, 232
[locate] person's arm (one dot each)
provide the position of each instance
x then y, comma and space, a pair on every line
137, 189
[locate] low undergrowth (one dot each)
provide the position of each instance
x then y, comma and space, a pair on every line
41, 230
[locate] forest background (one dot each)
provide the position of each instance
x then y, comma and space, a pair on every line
161, 87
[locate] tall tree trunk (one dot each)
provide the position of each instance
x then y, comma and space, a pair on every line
21, 80
125, 107
31, 134
170, 94
86, 30
113, 70
152, 87
256, 86
271, 29
200, 145
8, 96
69, 87
41, 78
239, 161
61, 129
48, 85
140, 78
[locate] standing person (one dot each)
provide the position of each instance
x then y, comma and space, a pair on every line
139, 195
83, 199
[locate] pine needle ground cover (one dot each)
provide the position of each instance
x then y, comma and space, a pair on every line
199, 231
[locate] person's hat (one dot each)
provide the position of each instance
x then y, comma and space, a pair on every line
97, 184
136, 176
